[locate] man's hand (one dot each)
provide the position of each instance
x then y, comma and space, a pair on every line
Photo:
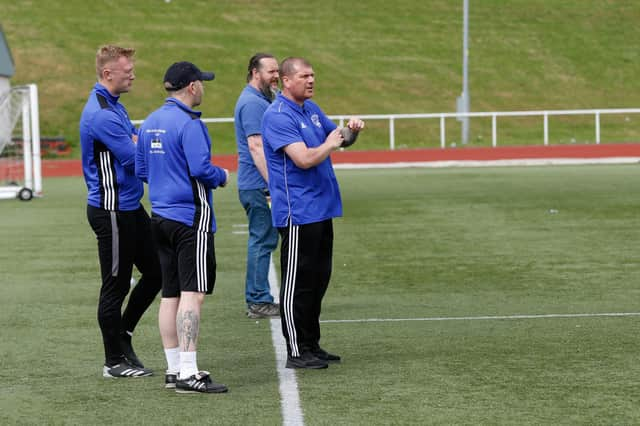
355, 124
351, 132
334, 139
226, 178
267, 196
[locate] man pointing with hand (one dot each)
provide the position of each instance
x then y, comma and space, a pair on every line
298, 139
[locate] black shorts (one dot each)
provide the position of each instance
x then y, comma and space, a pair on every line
187, 257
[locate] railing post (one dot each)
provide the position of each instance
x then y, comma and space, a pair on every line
597, 127
443, 142
341, 121
546, 128
494, 131
392, 134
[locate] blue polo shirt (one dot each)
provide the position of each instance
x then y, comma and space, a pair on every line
174, 157
304, 196
250, 108
108, 153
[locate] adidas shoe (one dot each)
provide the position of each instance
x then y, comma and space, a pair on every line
129, 353
124, 369
199, 383
170, 380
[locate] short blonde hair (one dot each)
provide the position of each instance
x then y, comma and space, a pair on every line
109, 53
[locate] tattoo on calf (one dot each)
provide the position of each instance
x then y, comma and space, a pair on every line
188, 323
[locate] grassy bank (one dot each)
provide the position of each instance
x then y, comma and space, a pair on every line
371, 57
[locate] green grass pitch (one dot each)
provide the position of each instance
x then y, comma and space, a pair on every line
413, 244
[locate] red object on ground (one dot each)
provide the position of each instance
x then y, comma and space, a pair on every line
488, 153
52, 168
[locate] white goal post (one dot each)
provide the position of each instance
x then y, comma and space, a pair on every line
20, 163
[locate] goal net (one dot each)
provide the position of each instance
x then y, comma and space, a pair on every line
20, 166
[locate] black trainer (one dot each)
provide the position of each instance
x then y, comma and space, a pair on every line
326, 356
170, 380
306, 360
124, 369
199, 383
127, 350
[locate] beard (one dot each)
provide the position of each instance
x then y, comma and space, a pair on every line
268, 91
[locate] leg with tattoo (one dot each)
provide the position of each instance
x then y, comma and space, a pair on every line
188, 324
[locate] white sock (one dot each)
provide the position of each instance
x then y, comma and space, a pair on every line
188, 364
173, 360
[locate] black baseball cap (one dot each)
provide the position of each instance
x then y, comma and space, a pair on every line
180, 74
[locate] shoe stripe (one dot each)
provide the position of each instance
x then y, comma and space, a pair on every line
289, 289
122, 371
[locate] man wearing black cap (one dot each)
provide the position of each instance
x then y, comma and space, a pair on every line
174, 157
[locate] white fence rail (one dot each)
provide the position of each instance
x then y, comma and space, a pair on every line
391, 118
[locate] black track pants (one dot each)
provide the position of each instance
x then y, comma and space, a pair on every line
124, 240
305, 259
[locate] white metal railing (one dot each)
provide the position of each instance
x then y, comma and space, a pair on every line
494, 120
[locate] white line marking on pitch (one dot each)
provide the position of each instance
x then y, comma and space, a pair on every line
289, 397
243, 228
490, 163
490, 317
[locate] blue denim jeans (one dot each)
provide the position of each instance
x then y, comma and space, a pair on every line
263, 239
